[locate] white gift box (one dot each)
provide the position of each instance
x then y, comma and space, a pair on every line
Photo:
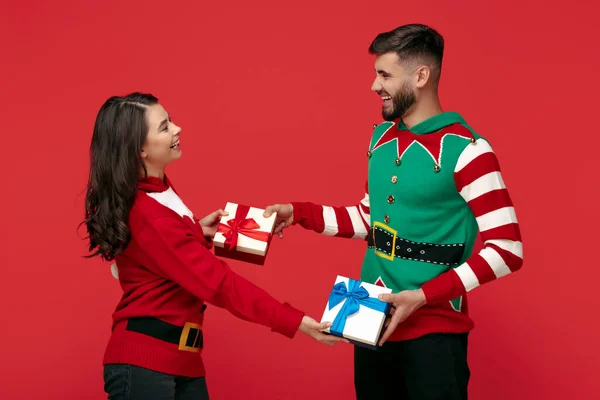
253, 234
364, 326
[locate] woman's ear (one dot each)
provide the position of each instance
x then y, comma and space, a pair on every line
114, 271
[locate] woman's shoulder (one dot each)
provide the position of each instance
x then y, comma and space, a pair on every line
151, 206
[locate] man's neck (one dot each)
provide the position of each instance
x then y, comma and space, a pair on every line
426, 108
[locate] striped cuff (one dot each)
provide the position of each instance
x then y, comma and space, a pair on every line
445, 287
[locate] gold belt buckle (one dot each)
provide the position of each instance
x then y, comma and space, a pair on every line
185, 335
390, 230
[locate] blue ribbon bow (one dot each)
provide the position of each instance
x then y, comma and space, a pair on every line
355, 296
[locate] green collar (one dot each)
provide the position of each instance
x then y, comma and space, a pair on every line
434, 123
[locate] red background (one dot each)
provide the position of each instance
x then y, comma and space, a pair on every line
275, 106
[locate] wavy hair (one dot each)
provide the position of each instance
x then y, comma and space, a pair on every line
120, 131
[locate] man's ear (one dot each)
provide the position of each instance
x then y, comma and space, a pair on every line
422, 76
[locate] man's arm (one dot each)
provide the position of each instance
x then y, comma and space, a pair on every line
479, 181
340, 221
345, 221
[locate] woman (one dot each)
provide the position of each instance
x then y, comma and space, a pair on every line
166, 269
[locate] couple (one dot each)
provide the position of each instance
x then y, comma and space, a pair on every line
433, 185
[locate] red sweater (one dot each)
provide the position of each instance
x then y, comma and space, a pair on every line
168, 271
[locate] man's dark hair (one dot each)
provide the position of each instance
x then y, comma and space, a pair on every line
414, 43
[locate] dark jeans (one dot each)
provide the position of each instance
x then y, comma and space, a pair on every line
128, 382
432, 367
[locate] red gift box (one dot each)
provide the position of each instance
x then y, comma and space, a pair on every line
244, 234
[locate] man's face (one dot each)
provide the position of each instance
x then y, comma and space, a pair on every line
394, 86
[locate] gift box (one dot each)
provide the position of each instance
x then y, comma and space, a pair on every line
355, 311
244, 234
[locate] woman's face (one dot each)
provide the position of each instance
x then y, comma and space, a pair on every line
162, 142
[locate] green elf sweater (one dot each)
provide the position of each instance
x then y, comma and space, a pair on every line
431, 190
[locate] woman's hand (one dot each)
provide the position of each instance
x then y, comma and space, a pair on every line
210, 223
312, 328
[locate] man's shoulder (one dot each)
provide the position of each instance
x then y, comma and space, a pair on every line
379, 130
459, 137
464, 129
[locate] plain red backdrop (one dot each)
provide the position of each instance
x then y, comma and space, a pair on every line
275, 106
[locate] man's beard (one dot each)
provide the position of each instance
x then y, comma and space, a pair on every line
401, 102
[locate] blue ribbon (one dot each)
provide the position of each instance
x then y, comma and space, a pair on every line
355, 296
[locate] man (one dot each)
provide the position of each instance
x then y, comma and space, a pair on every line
433, 184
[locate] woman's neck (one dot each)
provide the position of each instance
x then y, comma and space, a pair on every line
154, 172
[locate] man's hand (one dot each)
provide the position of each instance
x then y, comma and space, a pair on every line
285, 217
404, 304
210, 223
312, 328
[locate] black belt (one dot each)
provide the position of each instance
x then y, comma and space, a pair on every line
389, 245
189, 337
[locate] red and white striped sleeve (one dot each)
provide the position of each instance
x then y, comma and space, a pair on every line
479, 181
345, 221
